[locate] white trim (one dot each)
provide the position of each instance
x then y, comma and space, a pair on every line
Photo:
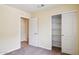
20, 31
51, 30
62, 12
44, 47
4, 52
69, 11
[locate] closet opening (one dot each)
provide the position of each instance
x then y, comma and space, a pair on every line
56, 33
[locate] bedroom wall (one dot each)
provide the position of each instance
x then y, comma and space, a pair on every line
10, 37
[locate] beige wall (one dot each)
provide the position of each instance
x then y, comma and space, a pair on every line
10, 28
44, 18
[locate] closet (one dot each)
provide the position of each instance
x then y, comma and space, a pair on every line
56, 30
64, 30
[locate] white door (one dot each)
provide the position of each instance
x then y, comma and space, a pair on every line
69, 32
33, 35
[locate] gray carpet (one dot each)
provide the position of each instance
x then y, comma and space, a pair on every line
31, 50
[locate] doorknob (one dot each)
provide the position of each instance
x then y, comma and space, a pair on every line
63, 35
35, 33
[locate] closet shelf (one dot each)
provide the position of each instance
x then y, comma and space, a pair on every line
56, 41
56, 23
56, 28
56, 35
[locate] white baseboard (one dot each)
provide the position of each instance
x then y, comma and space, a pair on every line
45, 47
42, 47
4, 52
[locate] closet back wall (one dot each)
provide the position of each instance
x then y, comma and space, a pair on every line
56, 30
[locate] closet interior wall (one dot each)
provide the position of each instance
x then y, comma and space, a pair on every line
56, 30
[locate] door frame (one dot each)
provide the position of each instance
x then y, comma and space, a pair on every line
23, 18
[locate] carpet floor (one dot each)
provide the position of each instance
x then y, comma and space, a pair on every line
31, 50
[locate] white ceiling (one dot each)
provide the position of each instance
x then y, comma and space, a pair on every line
32, 7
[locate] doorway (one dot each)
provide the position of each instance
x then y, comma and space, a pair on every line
24, 32
56, 33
